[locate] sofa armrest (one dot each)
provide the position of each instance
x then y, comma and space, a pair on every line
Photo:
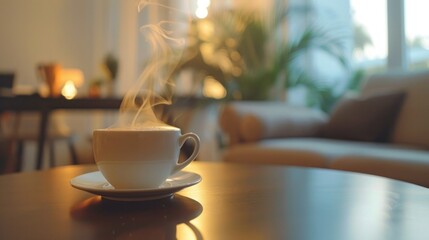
253, 121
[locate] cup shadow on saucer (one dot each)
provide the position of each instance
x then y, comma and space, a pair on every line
155, 219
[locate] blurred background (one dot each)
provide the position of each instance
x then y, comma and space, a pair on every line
300, 52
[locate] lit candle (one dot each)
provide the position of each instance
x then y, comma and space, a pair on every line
69, 91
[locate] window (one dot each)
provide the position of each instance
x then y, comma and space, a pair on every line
417, 33
390, 34
370, 34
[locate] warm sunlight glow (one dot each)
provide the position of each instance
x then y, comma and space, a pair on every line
71, 74
213, 88
206, 30
203, 3
202, 9
69, 91
201, 12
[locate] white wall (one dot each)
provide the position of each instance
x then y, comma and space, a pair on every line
34, 31
127, 48
74, 33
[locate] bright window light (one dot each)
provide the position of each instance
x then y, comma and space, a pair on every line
203, 3
201, 12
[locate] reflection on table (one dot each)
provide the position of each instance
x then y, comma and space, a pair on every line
233, 201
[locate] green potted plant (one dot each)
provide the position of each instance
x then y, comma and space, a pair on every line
238, 49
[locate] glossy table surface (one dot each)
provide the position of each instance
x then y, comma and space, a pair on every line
231, 202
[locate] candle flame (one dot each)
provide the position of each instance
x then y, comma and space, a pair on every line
69, 90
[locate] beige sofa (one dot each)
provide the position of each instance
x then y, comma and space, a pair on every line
369, 139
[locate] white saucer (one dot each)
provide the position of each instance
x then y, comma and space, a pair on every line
95, 183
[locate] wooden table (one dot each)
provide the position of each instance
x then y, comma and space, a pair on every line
232, 202
44, 106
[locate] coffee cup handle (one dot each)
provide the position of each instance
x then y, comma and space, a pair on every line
182, 140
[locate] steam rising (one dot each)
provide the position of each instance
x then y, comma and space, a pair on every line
154, 86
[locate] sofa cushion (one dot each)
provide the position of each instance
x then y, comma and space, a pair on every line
364, 118
250, 121
289, 121
232, 113
308, 152
408, 165
382, 159
277, 151
412, 126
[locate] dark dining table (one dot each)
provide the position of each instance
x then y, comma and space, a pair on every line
232, 201
46, 105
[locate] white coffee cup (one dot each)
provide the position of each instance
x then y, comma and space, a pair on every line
140, 158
